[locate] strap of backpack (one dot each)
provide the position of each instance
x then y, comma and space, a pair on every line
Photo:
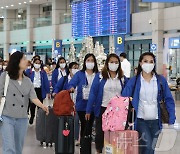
131, 111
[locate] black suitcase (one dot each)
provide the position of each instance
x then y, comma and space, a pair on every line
45, 126
65, 135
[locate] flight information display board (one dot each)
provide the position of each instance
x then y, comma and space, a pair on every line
100, 17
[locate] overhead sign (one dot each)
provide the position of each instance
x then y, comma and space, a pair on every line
153, 47
162, 1
119, 44
58, 46
174, 43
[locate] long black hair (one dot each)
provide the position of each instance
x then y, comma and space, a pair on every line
13, 65
95, 69
139, 69
57, 65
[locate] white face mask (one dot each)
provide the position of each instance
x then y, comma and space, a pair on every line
37, 66
147, 67
113, 67
4, 67
1, 67
74, 71
90, 65
63, 65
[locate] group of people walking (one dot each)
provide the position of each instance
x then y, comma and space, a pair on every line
92, 91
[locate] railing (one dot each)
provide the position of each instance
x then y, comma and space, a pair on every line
18, 24
65, 18
41, 22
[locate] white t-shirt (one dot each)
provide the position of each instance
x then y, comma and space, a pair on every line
112, 88
126, 67
37, 79
148, 96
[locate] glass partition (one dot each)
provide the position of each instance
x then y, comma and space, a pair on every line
1, 27
65, 18
42, 22
18, 24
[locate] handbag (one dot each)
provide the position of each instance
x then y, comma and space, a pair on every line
3, 99
85, 143
163, 108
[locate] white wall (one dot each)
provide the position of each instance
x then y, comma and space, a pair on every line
2, 37
42, 33
65, 31
172, 18
140, 22
18, 36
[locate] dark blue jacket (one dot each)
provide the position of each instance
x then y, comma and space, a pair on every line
79, 80
55, 75
127, 92
45, 87
61, 85
96, 95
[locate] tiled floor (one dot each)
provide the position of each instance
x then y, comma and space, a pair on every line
169, 136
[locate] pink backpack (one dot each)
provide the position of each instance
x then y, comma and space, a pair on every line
115, 116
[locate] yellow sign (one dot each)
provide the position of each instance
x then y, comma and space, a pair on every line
58, 44
119, 40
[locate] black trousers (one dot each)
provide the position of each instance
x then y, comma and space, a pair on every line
84, 122
99, 140
33, 106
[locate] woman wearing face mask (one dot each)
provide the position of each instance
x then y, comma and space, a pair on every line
110, 84
63, 85
60, 71
83, 81
146, 102
41, 84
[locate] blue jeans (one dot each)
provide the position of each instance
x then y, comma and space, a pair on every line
148, 132
13, 132
76, 127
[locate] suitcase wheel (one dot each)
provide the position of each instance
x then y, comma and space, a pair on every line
41, 143
47, 144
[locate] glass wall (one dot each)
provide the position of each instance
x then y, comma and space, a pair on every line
65, 18
1, 27
139, 6
134, 49
18, 24
41, 22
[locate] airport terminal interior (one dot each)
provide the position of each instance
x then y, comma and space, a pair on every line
73, 28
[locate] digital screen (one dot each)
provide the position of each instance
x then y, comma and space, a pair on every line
100, 17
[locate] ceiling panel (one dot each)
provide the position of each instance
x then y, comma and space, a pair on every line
16, 4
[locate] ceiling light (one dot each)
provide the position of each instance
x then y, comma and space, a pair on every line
2, 17
19, 3
12, 5
30, 1
25, 2
2, 7
7, 6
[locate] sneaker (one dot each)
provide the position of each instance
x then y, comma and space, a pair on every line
77, 143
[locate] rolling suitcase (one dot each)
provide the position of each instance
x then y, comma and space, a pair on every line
64, 143
45, 126
122, 142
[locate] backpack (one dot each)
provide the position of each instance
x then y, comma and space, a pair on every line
116, 115
63, 104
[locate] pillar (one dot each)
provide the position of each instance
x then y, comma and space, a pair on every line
157, 33
9, 15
